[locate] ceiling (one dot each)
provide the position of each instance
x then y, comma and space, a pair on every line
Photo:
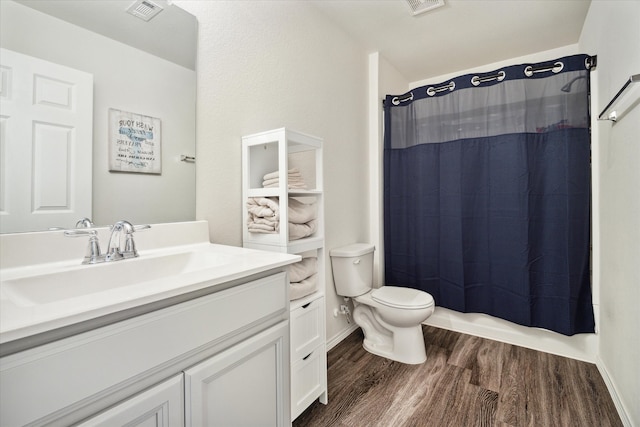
460, 35
165, 35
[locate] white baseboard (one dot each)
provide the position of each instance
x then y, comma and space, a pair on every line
581, 347
340, 336
626, 421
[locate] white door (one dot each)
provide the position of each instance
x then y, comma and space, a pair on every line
46, 137
246, 385
160, 406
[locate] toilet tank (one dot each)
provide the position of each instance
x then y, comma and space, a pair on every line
352, 267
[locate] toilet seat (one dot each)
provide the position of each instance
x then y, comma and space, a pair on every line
399, 297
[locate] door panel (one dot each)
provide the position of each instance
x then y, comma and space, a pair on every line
246, 385
46, 131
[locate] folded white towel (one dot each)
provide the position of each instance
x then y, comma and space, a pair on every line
265, 221
303, 288
289, 186
296, 231
276, 181
268, 207
290, 173
297, 180
264, 217
261, 229
303, 269
263, 207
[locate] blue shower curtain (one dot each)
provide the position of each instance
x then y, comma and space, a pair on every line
487, 185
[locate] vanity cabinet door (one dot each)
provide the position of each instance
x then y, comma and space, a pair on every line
246, 385
160, 406
307, 328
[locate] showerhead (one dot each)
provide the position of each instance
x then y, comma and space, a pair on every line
567, 88
422, 6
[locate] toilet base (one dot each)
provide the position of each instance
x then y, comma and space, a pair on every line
402, 344
402, 348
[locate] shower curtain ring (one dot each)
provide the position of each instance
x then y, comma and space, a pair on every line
555, 68
396, 100
431, 91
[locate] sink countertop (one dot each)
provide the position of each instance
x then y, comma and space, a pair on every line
18, 320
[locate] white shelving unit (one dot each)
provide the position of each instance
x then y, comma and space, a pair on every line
281, 150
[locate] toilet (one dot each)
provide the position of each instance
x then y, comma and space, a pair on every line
389, 316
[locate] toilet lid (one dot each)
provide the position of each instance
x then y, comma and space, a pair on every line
398, 297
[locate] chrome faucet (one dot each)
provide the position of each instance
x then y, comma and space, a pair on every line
93, 255
84, 223
115, 252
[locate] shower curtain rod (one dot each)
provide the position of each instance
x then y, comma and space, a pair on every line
590, 63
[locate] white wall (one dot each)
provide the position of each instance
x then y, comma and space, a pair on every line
266, 65
127, 79
383, 79
612, 31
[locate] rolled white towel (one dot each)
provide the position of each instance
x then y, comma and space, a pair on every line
300, 212
299, 231
303, 269
303, 288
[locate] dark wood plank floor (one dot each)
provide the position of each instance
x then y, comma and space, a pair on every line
466, 381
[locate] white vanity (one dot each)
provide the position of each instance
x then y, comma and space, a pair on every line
193, 333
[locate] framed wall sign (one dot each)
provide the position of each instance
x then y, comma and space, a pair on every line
135, 143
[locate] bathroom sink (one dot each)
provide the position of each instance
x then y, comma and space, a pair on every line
44, 286
78, 281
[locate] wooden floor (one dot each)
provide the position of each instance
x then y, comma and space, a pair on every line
466, 381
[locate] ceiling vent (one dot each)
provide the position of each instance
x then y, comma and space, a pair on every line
144, 9
422, 6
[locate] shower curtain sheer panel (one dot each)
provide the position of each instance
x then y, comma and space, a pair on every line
487, 187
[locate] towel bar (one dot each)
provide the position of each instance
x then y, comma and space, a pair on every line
621, 100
